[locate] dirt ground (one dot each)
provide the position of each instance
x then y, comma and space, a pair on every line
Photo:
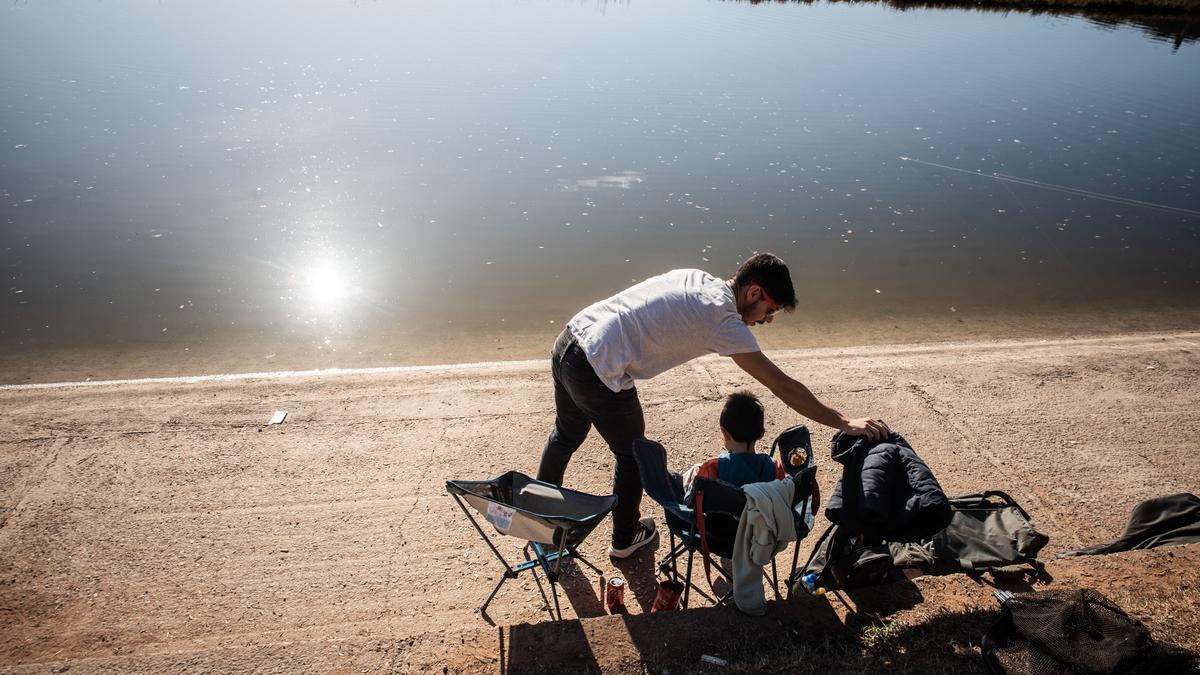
163, 527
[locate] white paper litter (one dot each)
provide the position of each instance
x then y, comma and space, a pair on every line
277, 418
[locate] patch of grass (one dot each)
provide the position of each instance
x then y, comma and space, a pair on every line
883, 635
1171, 612
802, 657
943, 643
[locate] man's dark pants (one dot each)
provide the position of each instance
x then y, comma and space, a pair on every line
582, 401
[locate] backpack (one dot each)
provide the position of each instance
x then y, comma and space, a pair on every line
843, 560
988, 532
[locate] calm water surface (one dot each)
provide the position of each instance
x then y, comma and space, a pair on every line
249, 186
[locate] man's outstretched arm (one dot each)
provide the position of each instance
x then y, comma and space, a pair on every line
799, 398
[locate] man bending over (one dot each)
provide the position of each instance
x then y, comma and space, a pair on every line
646, 330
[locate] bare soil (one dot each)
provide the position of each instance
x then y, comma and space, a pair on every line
163, 527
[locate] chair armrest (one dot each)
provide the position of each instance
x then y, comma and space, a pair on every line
677, 486
684, 513
806, 484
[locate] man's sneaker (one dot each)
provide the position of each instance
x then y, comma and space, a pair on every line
644, 534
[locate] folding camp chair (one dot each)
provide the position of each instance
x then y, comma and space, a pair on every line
721, 505
793, 447
553, 521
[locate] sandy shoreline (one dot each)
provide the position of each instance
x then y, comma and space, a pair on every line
522, 365
161, 525
256, 353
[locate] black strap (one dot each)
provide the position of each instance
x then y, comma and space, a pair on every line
983, 499
817, 546
1035, 568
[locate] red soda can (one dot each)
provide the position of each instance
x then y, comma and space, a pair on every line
615, 594
667, 597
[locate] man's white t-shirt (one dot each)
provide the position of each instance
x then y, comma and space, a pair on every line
658, 324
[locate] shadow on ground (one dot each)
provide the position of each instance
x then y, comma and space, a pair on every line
804, 634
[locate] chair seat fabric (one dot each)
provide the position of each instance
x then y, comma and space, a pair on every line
519, 506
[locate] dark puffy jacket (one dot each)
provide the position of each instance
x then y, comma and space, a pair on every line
886, 491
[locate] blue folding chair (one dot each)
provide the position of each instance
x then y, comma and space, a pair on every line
722, 505
666, 488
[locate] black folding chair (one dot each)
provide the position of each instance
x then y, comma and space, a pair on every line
553, 521
666, 488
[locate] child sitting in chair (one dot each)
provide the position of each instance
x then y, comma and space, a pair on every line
741, 428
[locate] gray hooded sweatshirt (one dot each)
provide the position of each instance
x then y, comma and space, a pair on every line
765, 528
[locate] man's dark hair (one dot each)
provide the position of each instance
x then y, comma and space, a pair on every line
769, 272
742, 417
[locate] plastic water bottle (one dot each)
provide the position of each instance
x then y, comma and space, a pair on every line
810, 584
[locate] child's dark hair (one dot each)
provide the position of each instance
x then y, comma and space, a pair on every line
742, 417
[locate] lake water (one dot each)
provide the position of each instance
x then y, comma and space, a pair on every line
227, 186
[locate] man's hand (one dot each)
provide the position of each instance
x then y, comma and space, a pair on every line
876, 430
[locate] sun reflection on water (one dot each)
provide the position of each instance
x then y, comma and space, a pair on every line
328, 287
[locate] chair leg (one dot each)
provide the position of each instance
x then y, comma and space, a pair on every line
792, 576
775, 581
668, 566
554, 594
674, 557
727, 597
687, 583
551, 578
722, 573
483, 608
537, 579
